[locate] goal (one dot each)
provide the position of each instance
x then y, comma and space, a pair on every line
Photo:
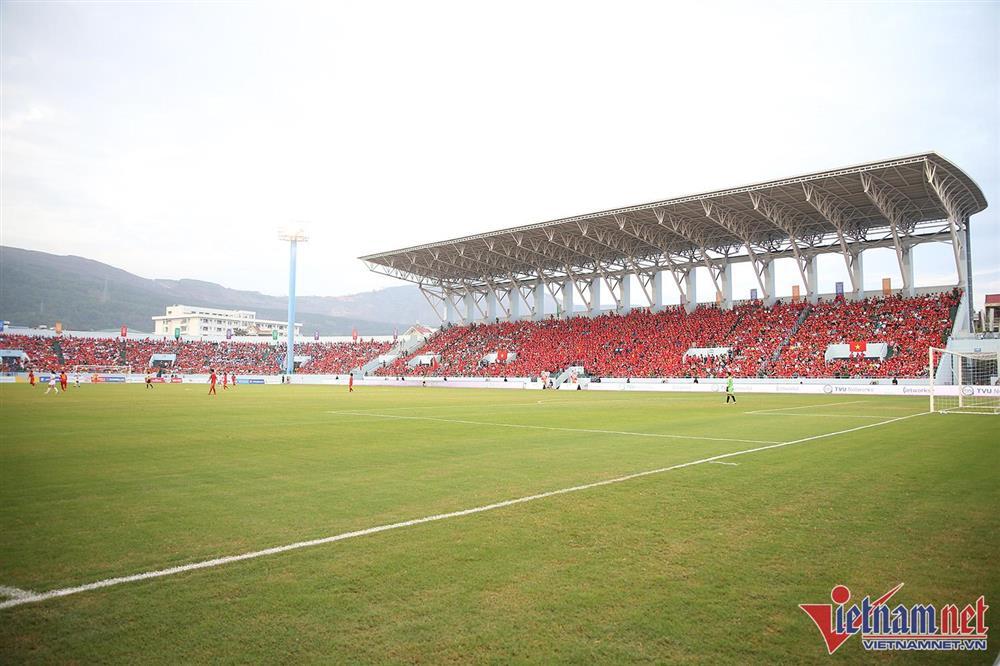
964, 382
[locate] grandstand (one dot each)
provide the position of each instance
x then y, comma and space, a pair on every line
43, 352
491, 291
387, 524
506, 274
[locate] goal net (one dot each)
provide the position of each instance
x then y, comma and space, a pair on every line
964, 382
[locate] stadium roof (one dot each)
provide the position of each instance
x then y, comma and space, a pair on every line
894, 202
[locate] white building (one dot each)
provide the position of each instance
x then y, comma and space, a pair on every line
204, 321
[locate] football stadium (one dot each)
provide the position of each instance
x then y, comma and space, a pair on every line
564, 473
681, 431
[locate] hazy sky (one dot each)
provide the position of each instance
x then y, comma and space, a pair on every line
174, 139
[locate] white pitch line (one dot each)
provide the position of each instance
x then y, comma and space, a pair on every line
822, 404
856, 428
15, 592
539, 427
494, 405
485, 405
719, 462
837, 416
219, 561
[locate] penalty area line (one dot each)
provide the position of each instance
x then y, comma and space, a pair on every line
230, 559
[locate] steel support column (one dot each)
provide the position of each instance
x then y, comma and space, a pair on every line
901, 215
690, 296
857, 264
515, 303
657, 291
470, 307
567, 298
767, 274
725, 298
626, 300
812, 288
491, 306
906, 268
595, 297
451, 310
843, 220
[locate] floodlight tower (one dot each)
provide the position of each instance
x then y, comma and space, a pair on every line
294, 237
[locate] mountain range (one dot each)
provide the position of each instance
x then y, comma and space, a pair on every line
38, 288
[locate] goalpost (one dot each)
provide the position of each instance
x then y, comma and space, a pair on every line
964, 382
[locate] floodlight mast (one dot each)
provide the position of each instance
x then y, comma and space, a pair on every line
294, 237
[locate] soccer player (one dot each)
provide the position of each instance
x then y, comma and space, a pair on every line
149, 379
729, 389
52, 384
31, 377
225, 380
212, 378
232, 379
350, 383
76, 378
63, 380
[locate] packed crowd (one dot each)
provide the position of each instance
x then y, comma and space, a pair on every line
757, 341
195, 356
908, 326
338, 358
638, 344
755, 338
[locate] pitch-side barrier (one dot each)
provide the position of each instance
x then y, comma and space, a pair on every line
858, 386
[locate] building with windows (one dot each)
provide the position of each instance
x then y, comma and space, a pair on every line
189, 321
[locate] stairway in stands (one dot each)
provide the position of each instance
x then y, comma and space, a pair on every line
762, 372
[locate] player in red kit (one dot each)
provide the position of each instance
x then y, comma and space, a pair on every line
31, 377
63, 380
232, 379
225, 380
212, 378
350, 383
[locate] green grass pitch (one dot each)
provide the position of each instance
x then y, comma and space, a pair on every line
705, 563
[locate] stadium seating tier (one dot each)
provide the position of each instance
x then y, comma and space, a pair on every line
784, 340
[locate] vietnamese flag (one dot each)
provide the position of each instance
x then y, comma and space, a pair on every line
502, 355
124, 331
354, 334
859, 347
